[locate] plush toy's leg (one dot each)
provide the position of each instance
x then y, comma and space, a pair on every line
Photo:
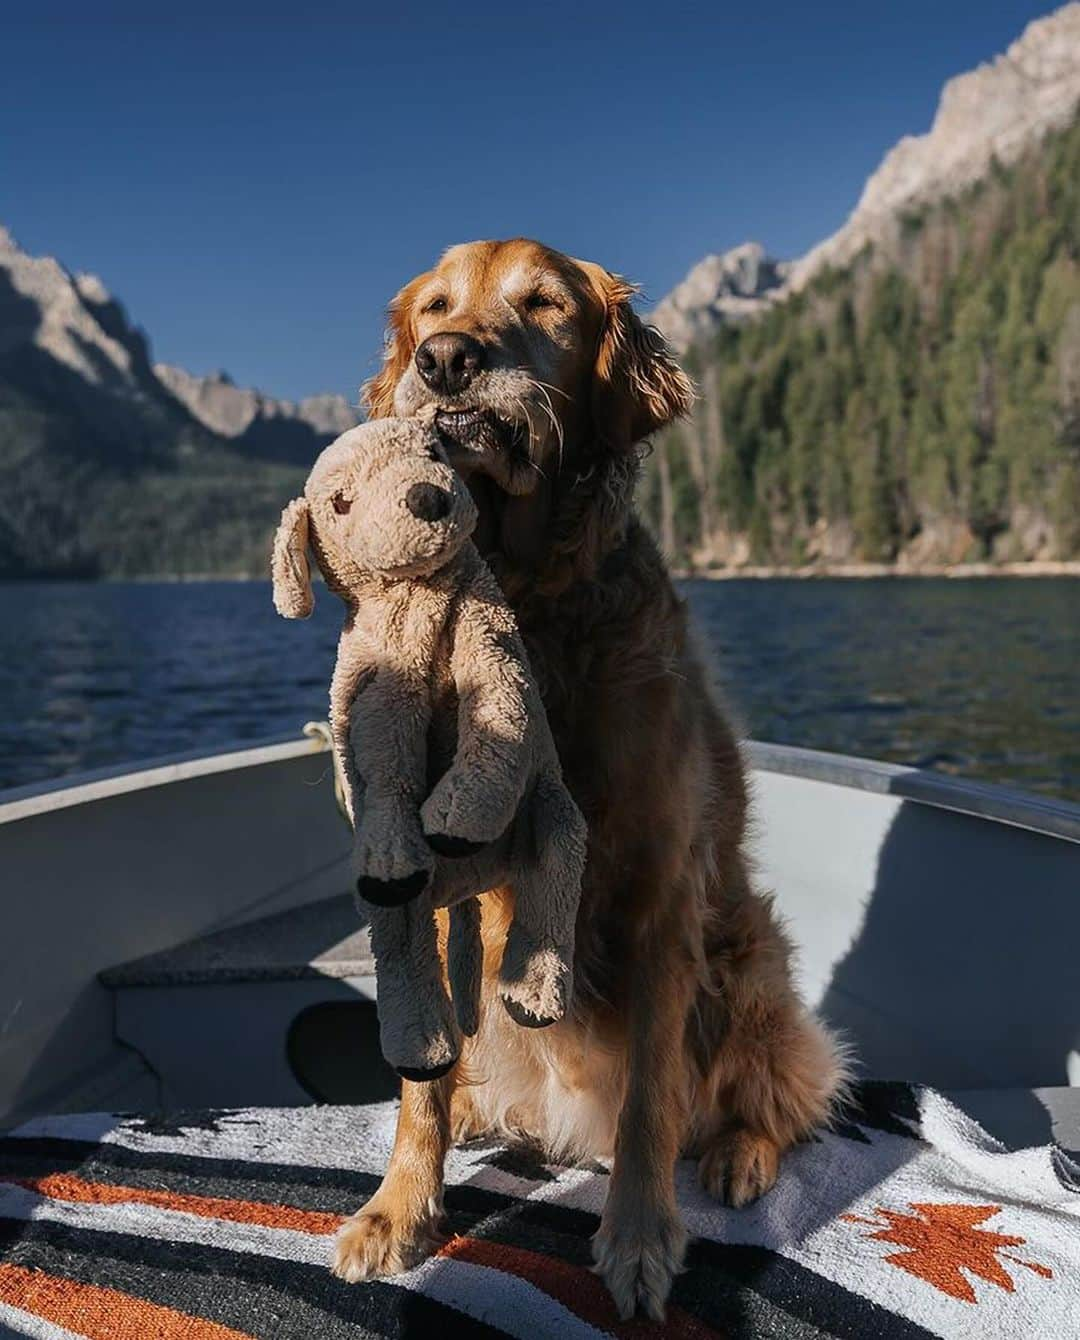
538, 961
465, 963
417, 1028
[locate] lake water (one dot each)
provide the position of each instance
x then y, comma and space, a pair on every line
978, 678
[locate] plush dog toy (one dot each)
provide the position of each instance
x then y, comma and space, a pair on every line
451, 775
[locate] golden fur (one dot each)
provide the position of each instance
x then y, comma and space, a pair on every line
687, 1035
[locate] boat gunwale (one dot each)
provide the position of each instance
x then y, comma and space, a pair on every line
983, 800
24, 802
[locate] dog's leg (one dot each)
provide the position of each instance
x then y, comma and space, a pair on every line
400, 1224
641, 1241
775, 1070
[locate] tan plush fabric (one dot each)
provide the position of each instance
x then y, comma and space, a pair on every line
452, 778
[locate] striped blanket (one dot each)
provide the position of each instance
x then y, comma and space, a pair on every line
906, 1220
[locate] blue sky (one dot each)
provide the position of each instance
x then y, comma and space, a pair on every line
255, 182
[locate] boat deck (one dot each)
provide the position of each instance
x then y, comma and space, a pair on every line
202, 947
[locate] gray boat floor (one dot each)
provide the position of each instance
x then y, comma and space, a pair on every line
326, 939
320, 939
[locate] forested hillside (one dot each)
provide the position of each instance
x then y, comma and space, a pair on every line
920, 406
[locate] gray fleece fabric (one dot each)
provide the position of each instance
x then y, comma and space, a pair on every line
432, 682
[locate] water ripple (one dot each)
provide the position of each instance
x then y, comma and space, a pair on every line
974, 678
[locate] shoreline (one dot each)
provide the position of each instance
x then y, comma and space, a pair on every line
747, 572
857, 571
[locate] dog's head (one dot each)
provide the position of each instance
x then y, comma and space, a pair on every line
538, 369
381, 500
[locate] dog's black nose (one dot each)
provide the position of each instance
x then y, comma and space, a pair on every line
428, 502
449, 362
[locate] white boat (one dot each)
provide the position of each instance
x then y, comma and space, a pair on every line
181, 935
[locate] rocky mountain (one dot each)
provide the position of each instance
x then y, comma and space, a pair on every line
278, 429
991, 114
725, 287
112, 464
994, 112
46, 307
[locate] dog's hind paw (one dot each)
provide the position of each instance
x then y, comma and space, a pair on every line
739, 1167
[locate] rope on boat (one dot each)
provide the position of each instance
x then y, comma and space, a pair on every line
320, 730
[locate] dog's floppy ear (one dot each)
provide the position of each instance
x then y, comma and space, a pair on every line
377, 395
637, 385
293, 596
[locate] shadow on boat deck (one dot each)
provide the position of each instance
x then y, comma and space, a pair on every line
963, 974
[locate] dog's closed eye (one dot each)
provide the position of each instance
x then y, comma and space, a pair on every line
341, 504
538, 302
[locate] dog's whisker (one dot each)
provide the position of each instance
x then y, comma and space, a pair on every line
544, 403
546, 385
523, 407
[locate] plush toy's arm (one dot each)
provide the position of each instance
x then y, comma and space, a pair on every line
475, 800
385, 749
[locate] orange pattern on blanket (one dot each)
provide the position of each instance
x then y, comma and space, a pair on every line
102, 1314
65, 1186
941, 1241
577, 1288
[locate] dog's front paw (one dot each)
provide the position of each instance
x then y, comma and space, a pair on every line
376, 1242
637, 1255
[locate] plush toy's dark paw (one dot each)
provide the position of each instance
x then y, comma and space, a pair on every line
524, 1017
392, 892
442, 844
419, 1076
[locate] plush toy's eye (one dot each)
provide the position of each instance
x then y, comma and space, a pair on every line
341, 504
436, 305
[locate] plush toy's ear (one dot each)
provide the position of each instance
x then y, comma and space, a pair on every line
293, 597
637, 385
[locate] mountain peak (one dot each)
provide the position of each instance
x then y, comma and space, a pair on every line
92, 290
992, 113
232, 411
725, 286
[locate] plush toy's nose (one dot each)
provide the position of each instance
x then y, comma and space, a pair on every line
428, 502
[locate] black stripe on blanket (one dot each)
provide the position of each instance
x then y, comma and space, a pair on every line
722, 1280
257, 1295
743, 1292
879, 1105
336, 1191
18, 1156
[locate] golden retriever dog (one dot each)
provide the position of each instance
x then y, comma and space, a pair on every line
686, 1036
